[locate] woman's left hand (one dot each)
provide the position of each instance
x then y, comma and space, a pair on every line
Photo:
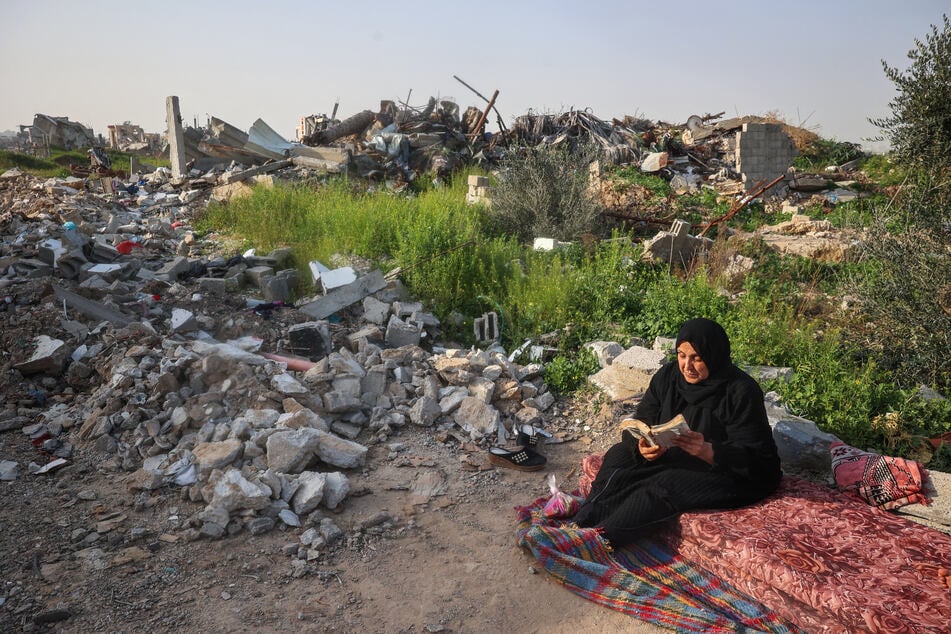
693, 443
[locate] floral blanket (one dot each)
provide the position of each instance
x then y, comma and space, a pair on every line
823, 559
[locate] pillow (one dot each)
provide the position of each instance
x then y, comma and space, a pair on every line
882, 481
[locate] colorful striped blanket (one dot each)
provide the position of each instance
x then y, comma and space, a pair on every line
644, 580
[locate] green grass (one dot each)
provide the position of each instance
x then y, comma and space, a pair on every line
450, 259
57, 164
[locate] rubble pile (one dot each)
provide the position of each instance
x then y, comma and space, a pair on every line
128, 339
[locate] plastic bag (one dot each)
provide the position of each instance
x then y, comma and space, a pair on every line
560, 504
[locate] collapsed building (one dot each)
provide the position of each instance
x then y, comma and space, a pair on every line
47, 131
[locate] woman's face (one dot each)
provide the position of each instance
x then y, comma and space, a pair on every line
691, 365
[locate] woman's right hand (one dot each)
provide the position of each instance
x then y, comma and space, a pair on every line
650, 452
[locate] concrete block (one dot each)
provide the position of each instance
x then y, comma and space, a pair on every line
486, 327
174, 269
345, 296
375, 311
275, 289
337, 278
399, 333
255, 274
310, 339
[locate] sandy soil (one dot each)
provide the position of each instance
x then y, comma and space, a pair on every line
439, 563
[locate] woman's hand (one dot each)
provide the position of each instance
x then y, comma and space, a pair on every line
650, 452
693, 443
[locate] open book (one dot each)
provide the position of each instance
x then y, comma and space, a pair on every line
658, 434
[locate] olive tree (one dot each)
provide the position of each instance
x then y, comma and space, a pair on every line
906, 287
919, 127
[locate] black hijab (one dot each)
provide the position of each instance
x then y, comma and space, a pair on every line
712, 344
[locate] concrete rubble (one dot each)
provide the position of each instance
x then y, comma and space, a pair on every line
131, 340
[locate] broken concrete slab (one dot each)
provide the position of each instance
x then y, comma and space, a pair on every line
629, 373
49, 357
235, 176
345, 296
336, 278
677, 246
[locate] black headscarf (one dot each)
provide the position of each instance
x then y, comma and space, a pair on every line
712, 344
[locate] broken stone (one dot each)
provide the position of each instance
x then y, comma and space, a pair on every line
425, 411
375, 311
336, 489
260, 525
803, 447
48, 357
654, 161
399, 333
292, 451
9, 470
310, 492
340, 452
289, 517
310, 339
287, 384
605, 351
232, 491
216, 455
475, 415
630, 373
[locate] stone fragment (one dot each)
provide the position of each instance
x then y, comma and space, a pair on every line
310, 492
310, 339
292, 451
451, 398
260, 525
182, 321
329, 531
605, 351
232, 491
9, 471
476, 415
288, 385
630, 373
289, 517
336, 489
340, 452
216, 455
48, 357
375, 311
802, 446
399, 333
261, 418
654, 161
425, 411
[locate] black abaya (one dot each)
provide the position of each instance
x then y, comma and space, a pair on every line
631, 494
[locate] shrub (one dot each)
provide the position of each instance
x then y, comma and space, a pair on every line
671, 301
543, 192
905, 288
830, 388
569, 371
919, 127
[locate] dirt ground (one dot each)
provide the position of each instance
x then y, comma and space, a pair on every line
411, 560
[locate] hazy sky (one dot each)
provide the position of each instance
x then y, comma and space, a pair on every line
817, 63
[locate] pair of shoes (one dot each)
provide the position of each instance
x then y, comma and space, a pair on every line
522, 459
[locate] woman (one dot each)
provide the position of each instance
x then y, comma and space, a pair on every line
729, 459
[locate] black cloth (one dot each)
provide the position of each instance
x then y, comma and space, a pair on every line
631, 495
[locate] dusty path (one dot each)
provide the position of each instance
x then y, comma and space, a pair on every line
440, 563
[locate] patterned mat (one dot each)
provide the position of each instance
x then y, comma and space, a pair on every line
644, 580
